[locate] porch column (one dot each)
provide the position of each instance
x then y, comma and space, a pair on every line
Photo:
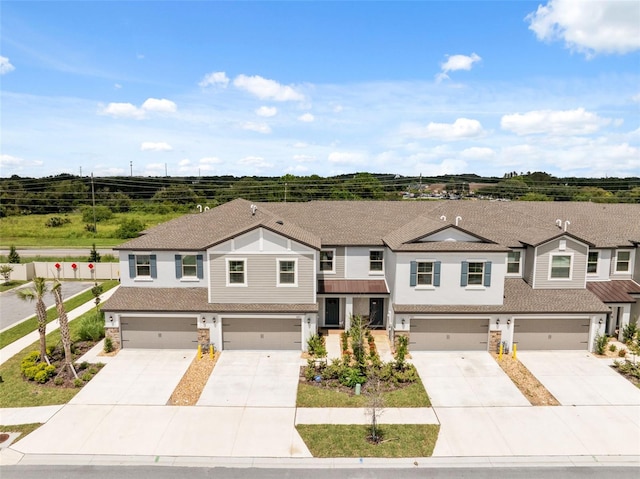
348, 311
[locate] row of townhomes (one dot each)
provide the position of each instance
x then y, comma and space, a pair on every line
452, 275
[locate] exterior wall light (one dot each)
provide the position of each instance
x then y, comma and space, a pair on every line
111, 319
309, 321
508, 321
600, 321
403, 321
498, 321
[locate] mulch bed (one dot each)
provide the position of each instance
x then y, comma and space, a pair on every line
190, 387
526, 382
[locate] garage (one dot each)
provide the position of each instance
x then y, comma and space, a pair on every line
453, 334
151, 332
262, 333
549, 334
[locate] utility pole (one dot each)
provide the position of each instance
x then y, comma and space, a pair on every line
165, 170
285, 191
81, 172
93, 199
131, 168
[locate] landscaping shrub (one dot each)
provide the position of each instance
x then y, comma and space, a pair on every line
86, 377
129, 228
612, 348
316, 346
36, 371
401, 350
102, 213
601, 343
56, 222
351, 376
108, 345
622, 352
14, 257
91, 327
78, 382
629, 331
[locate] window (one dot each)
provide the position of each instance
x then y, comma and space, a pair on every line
286, 272
376, 260
592, 262
189, 266
475, 273
142, 266
623, 259
560, 267
326, 261
513, 262
236, 272
425, 274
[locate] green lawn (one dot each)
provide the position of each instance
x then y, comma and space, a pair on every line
31, 324
399, 440
17, 392
9, 284
30, 230
413, 395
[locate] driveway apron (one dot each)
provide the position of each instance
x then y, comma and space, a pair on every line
577, 378
253, 379
137, 377
465, 379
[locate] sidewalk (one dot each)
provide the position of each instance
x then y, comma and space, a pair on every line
14, 348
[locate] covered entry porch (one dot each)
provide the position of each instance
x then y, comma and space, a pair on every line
339, 300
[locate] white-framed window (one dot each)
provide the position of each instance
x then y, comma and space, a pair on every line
376, 261
424, 273
327, 261
236, 272
143, 265
476, 274
513, 262
623, 261
560, 266
592, 262
287, 272
189, 266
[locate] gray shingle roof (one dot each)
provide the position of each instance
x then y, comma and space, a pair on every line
371, 223
181, 300
519, 297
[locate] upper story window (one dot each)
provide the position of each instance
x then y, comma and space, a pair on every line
376, 260
476, 273
189, 266
286, 272
327, 263
623, 261
560, 266
592, 262
237, 272
513, 262
425, 273
143, 266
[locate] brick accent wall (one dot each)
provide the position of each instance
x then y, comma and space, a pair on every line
495, 337
204, 337
114, 334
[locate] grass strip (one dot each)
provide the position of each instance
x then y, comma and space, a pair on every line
23, 429
340, 440
413, 395
10, 284
15, 391
22, 329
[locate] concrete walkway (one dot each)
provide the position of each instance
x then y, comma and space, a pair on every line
14, 348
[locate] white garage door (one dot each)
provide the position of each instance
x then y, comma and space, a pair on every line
261, 333
457, 334
159, 333
546, 334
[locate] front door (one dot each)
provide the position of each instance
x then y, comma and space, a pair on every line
376, 312
332, 312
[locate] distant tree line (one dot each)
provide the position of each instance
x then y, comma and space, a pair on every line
66, 193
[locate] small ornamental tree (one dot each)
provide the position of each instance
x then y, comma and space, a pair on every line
5, 271
94, 256
96, 291
14, 257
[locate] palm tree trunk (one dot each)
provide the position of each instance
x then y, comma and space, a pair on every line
64, 331
41, 313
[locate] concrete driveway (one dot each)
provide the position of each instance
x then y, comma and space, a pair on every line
253, 379
137, 377
465, 379
577, 378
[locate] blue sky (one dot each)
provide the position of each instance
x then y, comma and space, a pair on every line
270, 88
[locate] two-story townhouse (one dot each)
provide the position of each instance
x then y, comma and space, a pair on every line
266, 276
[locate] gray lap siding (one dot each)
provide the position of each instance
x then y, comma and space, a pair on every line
261, 272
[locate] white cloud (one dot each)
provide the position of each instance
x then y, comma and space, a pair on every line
122, 110
255, 162
266, 89
297, 169
184, 162
589, 27
460, 129
267, 111
259, 127
214, 78
151, 146
304, 158
117, 86
159, 105
554, 122
636, 98
457, 62
301, 144
445, 167
346, 158
306, 118
5, 65
210, 160
478, 153
8, 161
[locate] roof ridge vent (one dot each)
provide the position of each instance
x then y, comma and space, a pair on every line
254, 208
566, 224
559, 223
443, 218
458, 219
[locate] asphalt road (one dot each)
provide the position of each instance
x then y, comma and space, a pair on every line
15, 310
168, 472
61, 252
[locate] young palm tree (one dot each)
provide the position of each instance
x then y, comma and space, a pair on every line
37, 292
64, 327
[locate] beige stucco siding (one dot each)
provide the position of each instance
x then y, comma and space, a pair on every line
262, 280
577, 251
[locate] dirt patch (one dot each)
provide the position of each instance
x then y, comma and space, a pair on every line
526, 382
190, 387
